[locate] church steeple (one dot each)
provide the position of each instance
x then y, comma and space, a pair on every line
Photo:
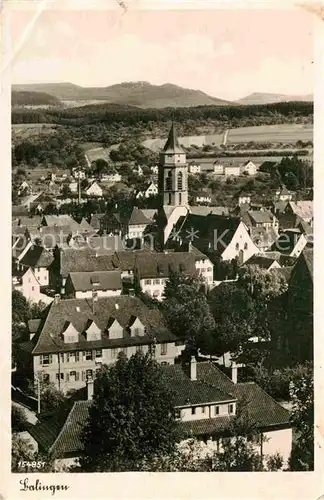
172, 145
173, 172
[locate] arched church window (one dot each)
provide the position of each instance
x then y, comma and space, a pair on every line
180, 181
168, 182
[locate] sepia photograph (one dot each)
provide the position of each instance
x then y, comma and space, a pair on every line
161, 241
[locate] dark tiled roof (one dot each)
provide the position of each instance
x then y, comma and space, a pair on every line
72, 260
206, 426
194, 392
138, 218
37, 256
62, 221
68, 441
45, 432
309, 259
85, 226
261, 408
154, 265
102, 245
98, 280
209, 210
78, 312
261, 216
172, 144
52, 236
279, 206
260, 261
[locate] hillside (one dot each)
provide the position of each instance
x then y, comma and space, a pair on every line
140, 94
33, 98
263, 98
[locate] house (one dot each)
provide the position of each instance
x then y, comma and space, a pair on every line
219, 237
203, 210
155, 169
94, 190
78, 173
150, 190
73, 187
260, 218
202, 198
264, 262
282, 194
278, 207
38, 259
137, 169
137, 224
303, 209
232, 170
78, 335
244, 199
203, 265
24, 188
194, 168
206, 403
86, 285
101, 245
95, 221
25, 281
154, 269
218, 168
290, 242
299, 338
50, 237
249, 168
64, 221
112, 176
263, 237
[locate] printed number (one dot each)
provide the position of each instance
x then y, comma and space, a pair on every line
33, 465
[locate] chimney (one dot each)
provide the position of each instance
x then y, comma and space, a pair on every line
90, 388
193, 368
57, 297
234, 373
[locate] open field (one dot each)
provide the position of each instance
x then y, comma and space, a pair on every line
285, 133
257, 160
26, 130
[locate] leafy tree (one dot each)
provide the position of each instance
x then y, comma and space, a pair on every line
131, 418
186, 309
302, 418
19, 307
21, 450
52, 400
18, 419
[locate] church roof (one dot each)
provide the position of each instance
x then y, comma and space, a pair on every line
172, 145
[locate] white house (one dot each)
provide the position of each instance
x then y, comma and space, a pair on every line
194, 168
138, 170
203, 198
78, 173
249, 168
137, 224
111, 177
26, 282
38, 259
218, 168
150, 190
94, 190
90, 285
155, 169
73, 186
232, 170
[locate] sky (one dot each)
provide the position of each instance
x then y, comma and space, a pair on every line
225, 53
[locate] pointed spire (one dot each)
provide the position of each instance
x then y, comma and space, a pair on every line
172, 145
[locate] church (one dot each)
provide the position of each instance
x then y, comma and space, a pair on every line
175, 220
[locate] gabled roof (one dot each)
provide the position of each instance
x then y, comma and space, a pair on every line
287, 241
261, 216
261, 261
85, 259
78, 312
138, 218
106, 280
304, 209
309, 259
37, 256
160, 265
209, 210
172, 144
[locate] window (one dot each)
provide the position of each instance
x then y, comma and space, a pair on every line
88, 373
124, 350
139, 348
71, 357
147, 282
216, 410
209, 269
177, 413
164, 349
137, 331
180, 198
32, 288
180, 184
168, 182
45, 359
74, 376
62, 357
87, 355
245, 246
156, 282
193, 411
203, 408
114, 352
230, 408
99, 353
60, 376
169, 198
237, 246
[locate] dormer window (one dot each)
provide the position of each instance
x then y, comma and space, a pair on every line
92, 331
136, 327
95, 280
114, 329
70, 334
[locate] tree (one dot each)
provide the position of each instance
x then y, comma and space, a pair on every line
18, 419
302, 418
19, 307
52, 400
131, 418
21, 450
186, 309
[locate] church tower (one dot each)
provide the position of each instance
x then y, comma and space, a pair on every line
173, 173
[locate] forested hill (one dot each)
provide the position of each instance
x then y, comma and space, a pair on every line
29, 98
127, 115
